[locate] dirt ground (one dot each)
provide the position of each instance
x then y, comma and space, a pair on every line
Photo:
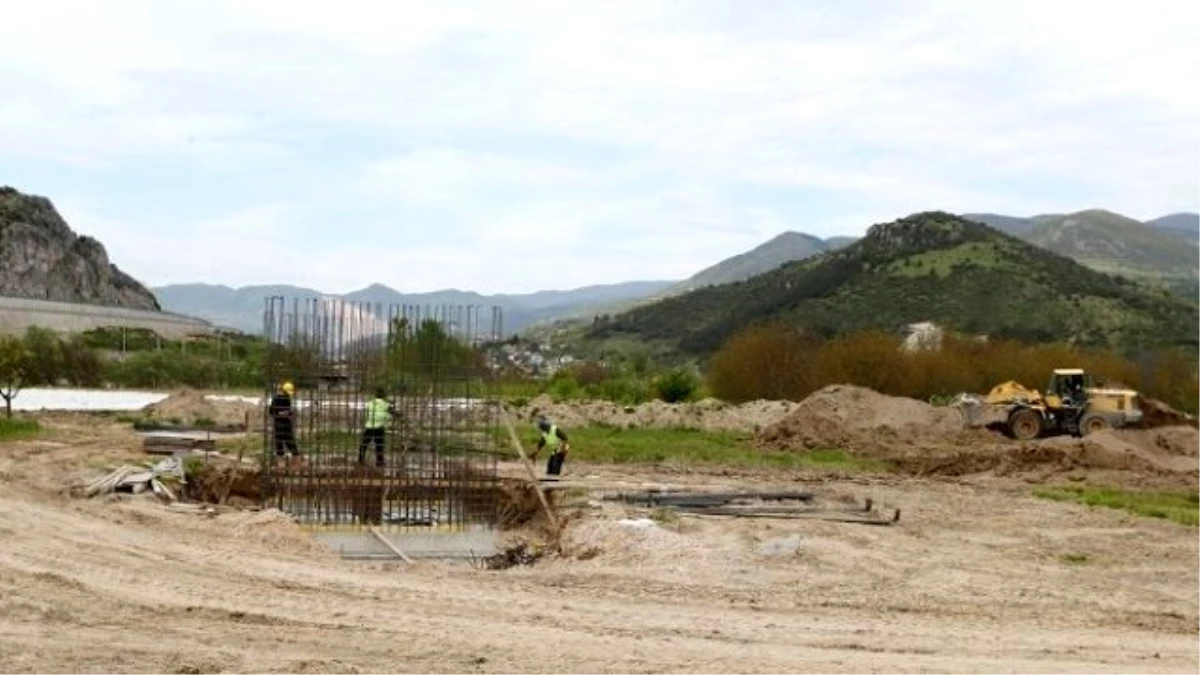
977, 576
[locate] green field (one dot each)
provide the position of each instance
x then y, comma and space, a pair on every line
1179, 507
18, 428
612, 445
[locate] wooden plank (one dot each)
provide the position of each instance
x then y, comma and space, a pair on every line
516, 443
387, 542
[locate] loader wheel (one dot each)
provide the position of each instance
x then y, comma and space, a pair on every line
1092, 423
1025, 425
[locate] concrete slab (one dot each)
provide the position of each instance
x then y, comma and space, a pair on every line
362, 544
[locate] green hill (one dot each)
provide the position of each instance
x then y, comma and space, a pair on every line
930, 266
781, 249
1185, 226
1110, 242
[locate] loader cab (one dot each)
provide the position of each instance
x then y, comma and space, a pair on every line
1070, 385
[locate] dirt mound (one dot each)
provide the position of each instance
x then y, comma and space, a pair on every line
189, 407
917, 438
844, 415
1174, 440
1104, 451
275, 529
706, 415
1155, 413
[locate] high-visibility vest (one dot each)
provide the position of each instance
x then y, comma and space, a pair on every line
377, 414
551, 437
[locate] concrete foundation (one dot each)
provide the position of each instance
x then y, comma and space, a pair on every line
363, 545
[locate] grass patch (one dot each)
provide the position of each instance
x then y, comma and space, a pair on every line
1179, 507
614, 445
18, 428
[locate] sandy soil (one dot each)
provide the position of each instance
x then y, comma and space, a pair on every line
188, 406
708, 415
975, 578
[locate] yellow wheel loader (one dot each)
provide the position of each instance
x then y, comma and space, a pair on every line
1072, 404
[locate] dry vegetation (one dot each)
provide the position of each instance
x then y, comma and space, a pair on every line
780, 362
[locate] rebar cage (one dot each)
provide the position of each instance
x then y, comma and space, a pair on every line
433, 464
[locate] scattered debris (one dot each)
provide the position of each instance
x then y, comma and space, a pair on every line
137, 479
637, 523
786, 504
521, 553
706, 499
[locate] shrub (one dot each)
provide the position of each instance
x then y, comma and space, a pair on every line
627, 390
563, 386
676, 385
772, 361
778, 362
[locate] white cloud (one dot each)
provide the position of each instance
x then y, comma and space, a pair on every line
585, 142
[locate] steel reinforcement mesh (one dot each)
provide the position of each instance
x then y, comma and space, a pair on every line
433, 465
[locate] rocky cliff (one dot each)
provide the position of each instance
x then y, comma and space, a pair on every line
42, 258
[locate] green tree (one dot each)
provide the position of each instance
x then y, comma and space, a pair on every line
43, 364
13, 362
430, 349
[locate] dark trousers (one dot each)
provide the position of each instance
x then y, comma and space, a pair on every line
555, 463
285, 440
371, 436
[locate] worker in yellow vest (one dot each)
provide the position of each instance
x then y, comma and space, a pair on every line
379, 413
555, 440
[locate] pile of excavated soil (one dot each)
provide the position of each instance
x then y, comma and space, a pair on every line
921, 439
850, 417
189, 406
1134, 453
1155, 413
1173, 440
706, 415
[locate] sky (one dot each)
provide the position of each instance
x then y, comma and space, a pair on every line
512, 146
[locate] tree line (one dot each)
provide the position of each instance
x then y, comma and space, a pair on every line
142, 359
41, 357
779, 361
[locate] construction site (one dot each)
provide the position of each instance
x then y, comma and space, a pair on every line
430, 542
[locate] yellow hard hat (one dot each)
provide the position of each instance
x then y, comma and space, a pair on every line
288, 387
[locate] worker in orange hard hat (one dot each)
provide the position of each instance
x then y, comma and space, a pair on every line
281, 413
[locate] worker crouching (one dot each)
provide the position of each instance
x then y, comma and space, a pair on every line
555, 440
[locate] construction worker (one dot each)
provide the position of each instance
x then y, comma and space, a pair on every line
379, 412
281, 413
555, 440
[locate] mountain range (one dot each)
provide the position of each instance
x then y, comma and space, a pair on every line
43, 258
931, 266
242, 308
1111, 242
1101, 240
